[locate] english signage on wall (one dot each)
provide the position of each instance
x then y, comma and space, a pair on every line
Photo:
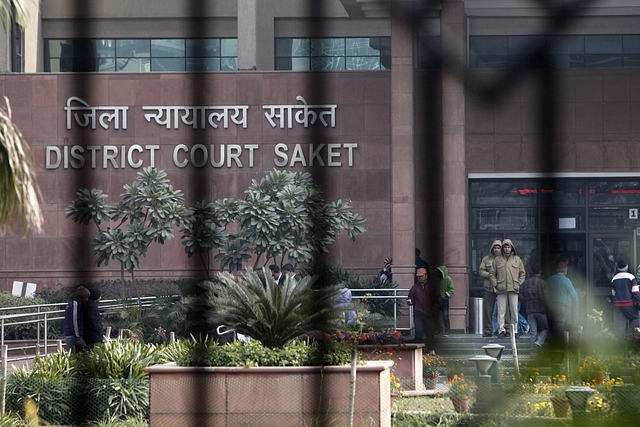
80, 113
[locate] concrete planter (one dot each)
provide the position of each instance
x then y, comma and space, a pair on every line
268, 396
407, 359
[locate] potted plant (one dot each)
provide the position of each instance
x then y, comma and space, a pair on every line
593, 369
460, 391
454, 367
555, 388
431, 366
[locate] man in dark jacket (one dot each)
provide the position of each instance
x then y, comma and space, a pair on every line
626, 294
74, 320
533, 295
425, 298
92, 323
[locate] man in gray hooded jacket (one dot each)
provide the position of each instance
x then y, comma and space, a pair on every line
507, 274
489, 300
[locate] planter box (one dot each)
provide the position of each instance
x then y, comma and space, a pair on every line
268, 396
407, 358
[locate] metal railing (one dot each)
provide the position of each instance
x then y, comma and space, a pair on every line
42, 319
399, 296
55, 312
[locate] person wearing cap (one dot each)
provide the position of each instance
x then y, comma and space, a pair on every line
489, 300
74, 320
93, 333
507, 273
626, 299
425, 298
561, 293
447, 288
385, 274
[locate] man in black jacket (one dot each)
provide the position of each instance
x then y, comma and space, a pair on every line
92, 324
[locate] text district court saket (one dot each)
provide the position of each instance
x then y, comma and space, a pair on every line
199, 155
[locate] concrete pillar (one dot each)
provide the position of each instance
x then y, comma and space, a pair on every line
255, 35
454, 179
247, 34
402, 158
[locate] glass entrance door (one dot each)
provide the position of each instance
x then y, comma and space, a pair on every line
606, 250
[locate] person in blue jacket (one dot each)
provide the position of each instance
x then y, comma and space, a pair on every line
74, 320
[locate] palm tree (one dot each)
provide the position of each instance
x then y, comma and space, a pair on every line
272, 314
18, 188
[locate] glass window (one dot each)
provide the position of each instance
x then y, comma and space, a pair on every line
503, 219
614, 193
228, 64
133, 65
325, 63
327, 47
133, 48
363, 46
631, 60
167, 64
140, 55
566, 45
488, 45
172, 48
503, 193
562, 193
355, 53
631, 44
606, 253
520, 45
596, 45
567, 61
362, 63
229, 47
203, 48
603, 61
611, 218
562, 219
203, 64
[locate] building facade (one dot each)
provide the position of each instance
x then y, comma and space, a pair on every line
445, 124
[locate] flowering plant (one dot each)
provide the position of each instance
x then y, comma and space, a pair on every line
459, 386
555, 386
592, 364
432, 363
395, 385
454, 366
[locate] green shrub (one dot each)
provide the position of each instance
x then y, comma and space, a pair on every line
207, 352
107, 382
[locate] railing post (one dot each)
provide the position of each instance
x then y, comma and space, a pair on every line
38, 328
5, 350
46, 335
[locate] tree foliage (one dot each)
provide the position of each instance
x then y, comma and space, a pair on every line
146, 214
281, 216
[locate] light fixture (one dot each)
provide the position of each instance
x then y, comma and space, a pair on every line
494, 350
483, 364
